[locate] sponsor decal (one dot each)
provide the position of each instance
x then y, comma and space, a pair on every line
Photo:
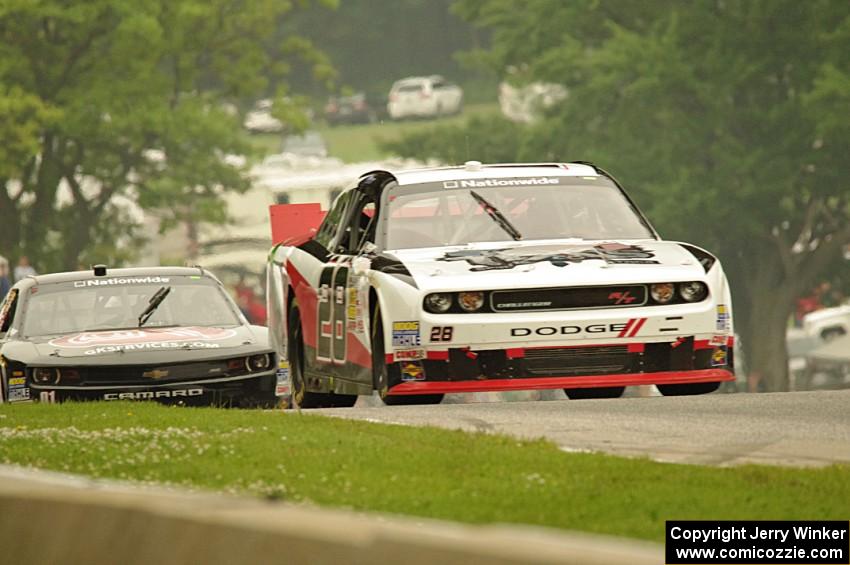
17, 381
543, 304
472, 183
406, 334
351, 311
509, 258
143, 336
718, 358
19, 394
147, 346
410, 354
412, 371
722, 317
627, 329
625, 297
121, 281
152, 394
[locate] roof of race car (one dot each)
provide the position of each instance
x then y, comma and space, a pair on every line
474, 170
111, 273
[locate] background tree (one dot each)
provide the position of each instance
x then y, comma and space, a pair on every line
374, 43
116, 99
727, 119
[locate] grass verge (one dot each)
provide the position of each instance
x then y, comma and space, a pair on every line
417, 471
359, 142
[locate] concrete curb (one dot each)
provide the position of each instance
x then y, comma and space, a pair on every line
53, 518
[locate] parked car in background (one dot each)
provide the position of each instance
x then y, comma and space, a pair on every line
354, 109
168, 334
424, 97
828, 323
260, 119
307, 144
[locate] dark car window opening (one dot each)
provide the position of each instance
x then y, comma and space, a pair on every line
111, 304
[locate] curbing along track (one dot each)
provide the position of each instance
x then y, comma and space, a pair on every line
48, 517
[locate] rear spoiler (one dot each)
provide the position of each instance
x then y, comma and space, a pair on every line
293, 224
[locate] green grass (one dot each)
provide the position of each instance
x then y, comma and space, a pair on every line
419, 471
357, 143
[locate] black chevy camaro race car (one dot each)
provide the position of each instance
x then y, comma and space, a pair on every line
169, 334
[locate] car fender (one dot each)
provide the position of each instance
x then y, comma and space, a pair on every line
398, 300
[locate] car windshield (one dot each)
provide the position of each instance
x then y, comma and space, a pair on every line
116, 302
456, 212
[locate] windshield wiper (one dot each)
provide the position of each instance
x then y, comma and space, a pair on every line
497, 216
153, 304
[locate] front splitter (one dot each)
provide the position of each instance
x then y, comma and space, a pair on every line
555, 382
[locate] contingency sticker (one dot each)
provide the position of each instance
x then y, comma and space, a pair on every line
282, 388
717, 340
718, 358
19, 394
722, 317
409, 354
406, 334
411, 371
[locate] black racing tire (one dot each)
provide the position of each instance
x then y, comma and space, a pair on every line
586, 393
688, 389
383, 376
301, 397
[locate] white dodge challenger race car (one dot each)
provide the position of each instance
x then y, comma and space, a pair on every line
490, 278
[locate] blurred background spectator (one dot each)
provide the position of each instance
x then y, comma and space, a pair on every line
5, 284
24, 269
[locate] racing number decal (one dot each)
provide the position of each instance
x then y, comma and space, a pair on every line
442, 333
331, 304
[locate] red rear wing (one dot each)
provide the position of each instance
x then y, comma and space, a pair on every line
294, 223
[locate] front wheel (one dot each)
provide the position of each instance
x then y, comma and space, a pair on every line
688, 389
586, 393
383, 377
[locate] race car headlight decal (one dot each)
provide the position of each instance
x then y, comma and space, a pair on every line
68, 375
470, 301
438, 302
693, 291
662, 293
45, 376
258, 362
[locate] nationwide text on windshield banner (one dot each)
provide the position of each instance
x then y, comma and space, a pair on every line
750, 541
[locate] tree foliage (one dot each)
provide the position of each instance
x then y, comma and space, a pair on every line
727, 119
107, 100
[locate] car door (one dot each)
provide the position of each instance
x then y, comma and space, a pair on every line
347, 294
330, 290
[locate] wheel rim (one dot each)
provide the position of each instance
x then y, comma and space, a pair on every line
381, 381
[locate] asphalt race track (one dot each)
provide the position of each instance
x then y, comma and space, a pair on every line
799, 428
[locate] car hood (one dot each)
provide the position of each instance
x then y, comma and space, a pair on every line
550, 263
140, 346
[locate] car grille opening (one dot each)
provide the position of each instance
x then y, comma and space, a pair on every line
574, 361
525, 300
